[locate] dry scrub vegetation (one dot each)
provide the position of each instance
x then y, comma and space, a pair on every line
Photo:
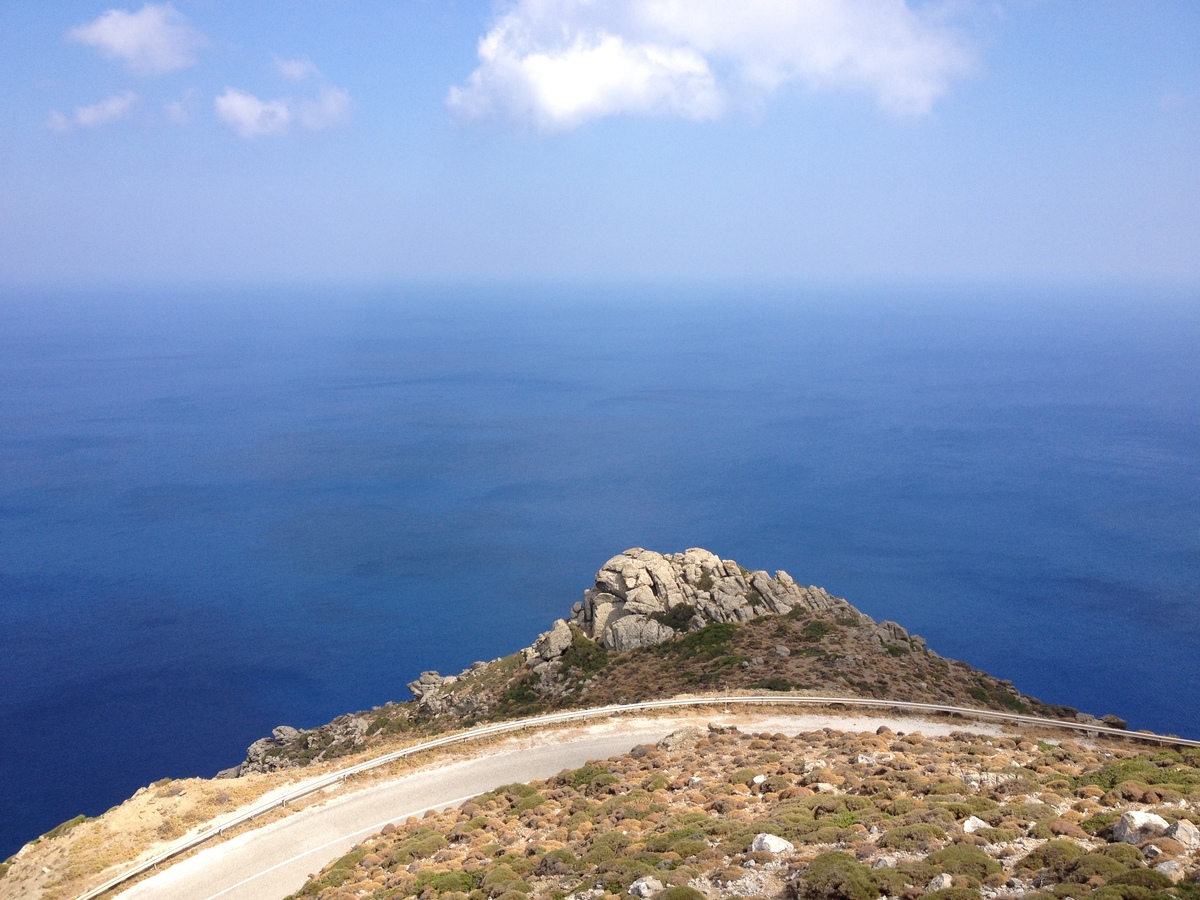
869, 815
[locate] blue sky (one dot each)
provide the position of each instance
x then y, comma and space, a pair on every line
371, 141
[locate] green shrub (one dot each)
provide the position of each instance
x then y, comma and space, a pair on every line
1143, 769
337, 874
954, 894
1092, 865
817, 629
558, 862
773, 684
1128, 854
1097, 823
997, 835
424, 843
1056, 856
891, 881
656, 782
838, 876
965, 859
445, 882
587, 777
584, 655
498, 878
710, 641
66, 826
1147, 878
911, 837
521, 695
677, 617
1125, 892
678, 892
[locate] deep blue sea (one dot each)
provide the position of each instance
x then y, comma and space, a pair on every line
221, 511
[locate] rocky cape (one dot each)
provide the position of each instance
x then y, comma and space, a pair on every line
654, 625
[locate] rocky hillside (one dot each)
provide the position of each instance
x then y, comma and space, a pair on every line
822, 816
655, 625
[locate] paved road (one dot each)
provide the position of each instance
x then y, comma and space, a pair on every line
273, 861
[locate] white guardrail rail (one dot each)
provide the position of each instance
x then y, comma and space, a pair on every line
309, 787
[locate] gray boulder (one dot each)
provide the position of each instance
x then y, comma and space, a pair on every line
634, 632
555, 642
1186, 833
645, 887
771, 844
1137, 827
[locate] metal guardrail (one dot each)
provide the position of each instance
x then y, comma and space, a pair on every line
318, 784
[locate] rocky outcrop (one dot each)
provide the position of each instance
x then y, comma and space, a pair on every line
288, 747
641, 598
436, 694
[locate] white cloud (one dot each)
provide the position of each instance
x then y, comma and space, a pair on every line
151, 41
562, 62
108, 110
296, 69
251, 117
331, 107
57, 122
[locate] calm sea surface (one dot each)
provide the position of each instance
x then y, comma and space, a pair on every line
223, 511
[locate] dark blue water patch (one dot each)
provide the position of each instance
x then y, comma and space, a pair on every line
221, 512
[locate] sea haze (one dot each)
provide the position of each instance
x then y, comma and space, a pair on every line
223, 511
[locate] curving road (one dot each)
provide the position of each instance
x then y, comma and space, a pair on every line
274, 860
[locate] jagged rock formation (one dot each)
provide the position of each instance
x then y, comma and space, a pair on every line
288, 747
641, 598
636, 591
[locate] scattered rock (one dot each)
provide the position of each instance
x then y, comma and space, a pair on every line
770, 844
555, 642
645, 887
973, 824
682, 739
940, 882
1137, 827
1186, 833
1172, 869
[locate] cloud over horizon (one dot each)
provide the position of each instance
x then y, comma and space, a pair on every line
152, 41
561, 63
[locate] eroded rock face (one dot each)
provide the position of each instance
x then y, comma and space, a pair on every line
637, 593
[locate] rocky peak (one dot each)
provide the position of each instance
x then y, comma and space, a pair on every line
641, 597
